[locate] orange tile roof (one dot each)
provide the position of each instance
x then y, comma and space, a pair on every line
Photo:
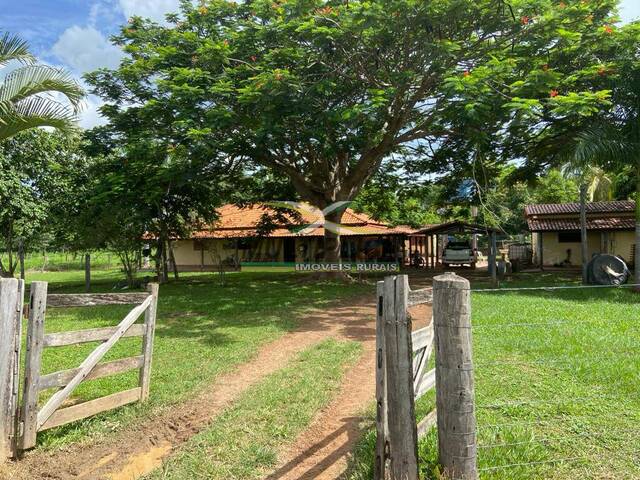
238, 222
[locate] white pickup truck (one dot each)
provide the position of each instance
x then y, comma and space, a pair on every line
459, 252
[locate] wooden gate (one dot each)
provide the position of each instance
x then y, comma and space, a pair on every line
33, 418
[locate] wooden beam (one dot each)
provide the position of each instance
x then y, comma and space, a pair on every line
63, 377
147, 342
92, 407
457, 443
403, 437
95, 299
421, 296
382, 427
62, 339
35, 344
427, 423
9, 345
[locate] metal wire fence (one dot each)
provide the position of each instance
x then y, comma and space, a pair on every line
557, 382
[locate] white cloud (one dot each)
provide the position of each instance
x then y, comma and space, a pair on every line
90, 116
153, 9
86, 49
629, 10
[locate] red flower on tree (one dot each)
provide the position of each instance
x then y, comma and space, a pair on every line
466, 73
553, 93
525, 20
608, 29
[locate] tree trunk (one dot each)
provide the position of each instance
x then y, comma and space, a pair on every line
164, 261
332, 244
21, 257
172, 259
584, 247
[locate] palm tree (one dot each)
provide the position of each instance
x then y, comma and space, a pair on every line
35, 95
593, 185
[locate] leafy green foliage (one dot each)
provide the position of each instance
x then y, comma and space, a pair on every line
25, 100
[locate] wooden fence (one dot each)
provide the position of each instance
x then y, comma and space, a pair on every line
402, 377
19, 426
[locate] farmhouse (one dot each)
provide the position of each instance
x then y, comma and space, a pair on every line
556, 231
236, 238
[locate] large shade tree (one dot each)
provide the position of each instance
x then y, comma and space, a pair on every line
34, 95
324, 91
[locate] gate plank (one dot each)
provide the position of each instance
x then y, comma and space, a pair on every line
63, 339
35, 336
63, 377
419, 297
89, 363
92, 407
95, 299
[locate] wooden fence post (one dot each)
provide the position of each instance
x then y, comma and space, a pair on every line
403, 436
9, 363
381, 392
35, 344
147, 342
454, 377
87, 272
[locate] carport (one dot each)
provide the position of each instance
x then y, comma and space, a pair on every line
434, 239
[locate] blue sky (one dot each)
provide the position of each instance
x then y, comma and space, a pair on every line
74, 33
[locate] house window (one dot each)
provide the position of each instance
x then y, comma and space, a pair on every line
569, 237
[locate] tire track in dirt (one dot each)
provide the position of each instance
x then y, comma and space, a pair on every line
323, 450
135, 451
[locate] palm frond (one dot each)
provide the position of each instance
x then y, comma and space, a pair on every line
35, 79
12, 47
38, 111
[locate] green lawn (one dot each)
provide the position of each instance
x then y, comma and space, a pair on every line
245, 440
204, 329
557, 386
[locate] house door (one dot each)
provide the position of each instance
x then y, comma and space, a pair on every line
290, 250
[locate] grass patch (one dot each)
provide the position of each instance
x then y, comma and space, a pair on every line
564, 390
244, 442
203, 330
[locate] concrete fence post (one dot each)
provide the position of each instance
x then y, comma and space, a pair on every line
457, 443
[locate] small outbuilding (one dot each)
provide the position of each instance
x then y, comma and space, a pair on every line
555, 231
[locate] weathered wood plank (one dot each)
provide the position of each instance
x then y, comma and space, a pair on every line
9, 291
454, 377
381, 393
421, 296
422, 338
63, 377
95, 299
92, 407
427, 423
35, 342
74, 337
426, 383
16, 368
89, 363
147, 342
403, 437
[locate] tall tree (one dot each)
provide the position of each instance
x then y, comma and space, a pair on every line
25, 93
324, 91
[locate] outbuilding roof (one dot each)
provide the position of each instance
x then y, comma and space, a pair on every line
555, 217
617, 206
238, 222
